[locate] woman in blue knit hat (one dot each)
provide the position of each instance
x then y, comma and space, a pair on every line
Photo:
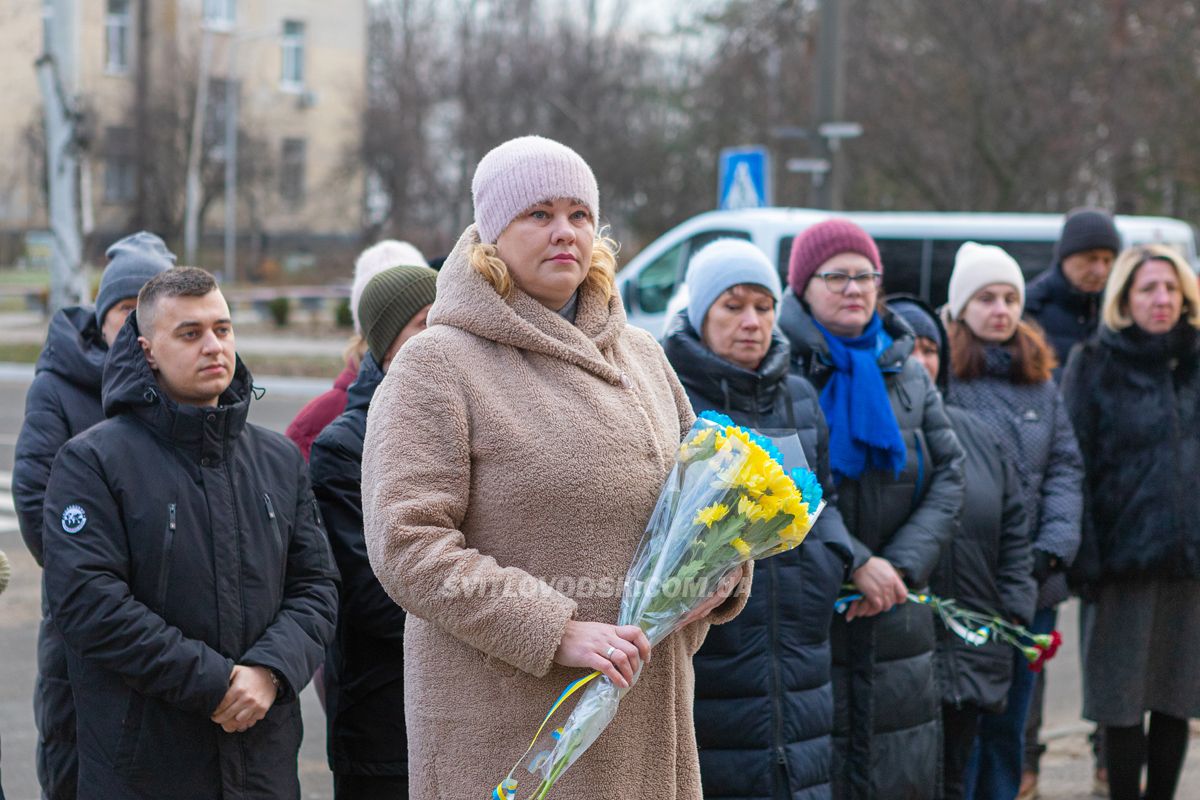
764, 694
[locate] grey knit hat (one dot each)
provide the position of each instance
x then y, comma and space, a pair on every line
524, 172
721, 265
390, 300
131, 262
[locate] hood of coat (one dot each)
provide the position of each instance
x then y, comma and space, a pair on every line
709, 375
130, 387
74, 349
358, 396
468, 302
808, 342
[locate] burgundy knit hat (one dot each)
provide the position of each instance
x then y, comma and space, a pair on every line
821, 242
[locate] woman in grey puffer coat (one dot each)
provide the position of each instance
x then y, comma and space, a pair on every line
1002, 373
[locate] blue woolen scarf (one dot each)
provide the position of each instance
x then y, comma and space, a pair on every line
863, 432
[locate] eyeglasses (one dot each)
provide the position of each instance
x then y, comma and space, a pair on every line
839, 282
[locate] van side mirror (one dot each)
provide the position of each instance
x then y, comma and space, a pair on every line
627, 295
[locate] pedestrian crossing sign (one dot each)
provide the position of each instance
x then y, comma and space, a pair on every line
744, 178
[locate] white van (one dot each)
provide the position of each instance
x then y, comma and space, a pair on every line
917, 248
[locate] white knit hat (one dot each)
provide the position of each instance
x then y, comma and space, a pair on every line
979, 265
526, 171
374, 260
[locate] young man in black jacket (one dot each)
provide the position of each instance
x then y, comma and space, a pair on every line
364, 672
64, 401
186, 567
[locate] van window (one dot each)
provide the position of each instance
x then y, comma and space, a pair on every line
657, 281
903, 265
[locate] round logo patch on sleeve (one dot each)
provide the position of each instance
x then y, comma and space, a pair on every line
74, 518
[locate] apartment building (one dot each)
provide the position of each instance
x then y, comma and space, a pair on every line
297, 69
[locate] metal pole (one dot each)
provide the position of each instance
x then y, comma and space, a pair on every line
191, 216
828, 194
56, 72
66, 273
231, 157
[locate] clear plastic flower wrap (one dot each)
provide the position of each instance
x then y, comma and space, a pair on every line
727, 500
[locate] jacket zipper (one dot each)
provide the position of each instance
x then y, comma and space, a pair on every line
164, 566
278, 538
777, 683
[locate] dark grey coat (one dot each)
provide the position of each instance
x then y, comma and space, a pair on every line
887, 730
986, 567
1031, 423
181, 541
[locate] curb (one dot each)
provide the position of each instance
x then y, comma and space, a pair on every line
276, 385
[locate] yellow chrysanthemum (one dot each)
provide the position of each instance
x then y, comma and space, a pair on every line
712, 514
741, 546
771, 505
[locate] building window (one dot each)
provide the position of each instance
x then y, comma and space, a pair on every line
291, 172
120, 165
220, 13
293, 54
116, 37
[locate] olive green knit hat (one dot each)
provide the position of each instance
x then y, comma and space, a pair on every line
390, 300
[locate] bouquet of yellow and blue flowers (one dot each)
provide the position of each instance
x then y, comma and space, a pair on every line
727, 500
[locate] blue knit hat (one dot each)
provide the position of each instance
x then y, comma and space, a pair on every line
132, 261
721, 265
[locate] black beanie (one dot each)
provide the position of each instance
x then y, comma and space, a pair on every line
1087, 229
389, 301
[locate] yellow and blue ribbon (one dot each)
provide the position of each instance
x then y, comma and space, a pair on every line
507, 788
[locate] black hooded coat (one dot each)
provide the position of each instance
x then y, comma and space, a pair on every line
63, 401
364, 670
181, 541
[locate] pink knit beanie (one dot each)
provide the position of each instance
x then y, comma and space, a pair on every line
526, 171
821, 242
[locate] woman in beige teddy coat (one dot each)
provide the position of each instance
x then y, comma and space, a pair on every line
513, 455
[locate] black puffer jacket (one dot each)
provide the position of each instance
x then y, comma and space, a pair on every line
987, 566
1067, 315
364, 670
887, 714
63, 401
180, 541
1135, 403
764, 697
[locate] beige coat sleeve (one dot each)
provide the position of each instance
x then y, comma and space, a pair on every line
416, 478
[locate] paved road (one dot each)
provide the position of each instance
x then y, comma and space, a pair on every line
1066, 773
